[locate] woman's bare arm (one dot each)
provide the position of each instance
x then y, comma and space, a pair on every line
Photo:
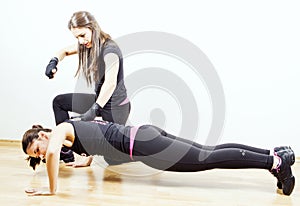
59, 134
57, 137
111, 74
67, 51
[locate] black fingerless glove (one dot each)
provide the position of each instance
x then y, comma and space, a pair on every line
93, 112
52, 65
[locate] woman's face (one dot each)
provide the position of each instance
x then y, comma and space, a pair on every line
84, 36
38, 147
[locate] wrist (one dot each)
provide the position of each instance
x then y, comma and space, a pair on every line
52, 191
54, 59
97, 106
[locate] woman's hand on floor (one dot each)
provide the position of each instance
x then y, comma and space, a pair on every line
37, 192
81, 161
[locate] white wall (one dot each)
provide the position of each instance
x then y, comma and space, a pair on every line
253, 45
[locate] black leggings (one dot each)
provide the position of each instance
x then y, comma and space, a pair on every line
80, 103
158, 149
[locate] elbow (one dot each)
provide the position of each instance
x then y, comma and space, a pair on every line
113, 86
49, 157
110, 88
50, 154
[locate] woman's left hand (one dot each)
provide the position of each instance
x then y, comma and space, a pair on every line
93, 112
37, 192
81, 161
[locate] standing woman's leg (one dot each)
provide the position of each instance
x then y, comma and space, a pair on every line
117, 114
71, 102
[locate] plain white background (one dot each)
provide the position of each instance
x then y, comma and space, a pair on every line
253, 45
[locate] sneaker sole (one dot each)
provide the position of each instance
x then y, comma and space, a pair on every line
291, 186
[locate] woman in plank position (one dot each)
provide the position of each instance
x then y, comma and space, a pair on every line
152, 146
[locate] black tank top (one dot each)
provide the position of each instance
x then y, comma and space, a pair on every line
120, 93
101, 138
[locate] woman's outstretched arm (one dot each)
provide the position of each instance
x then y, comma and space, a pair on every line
57, 137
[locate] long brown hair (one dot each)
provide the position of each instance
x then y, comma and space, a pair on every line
28, 137
88, 57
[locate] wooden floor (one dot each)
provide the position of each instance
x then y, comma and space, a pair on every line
117, 185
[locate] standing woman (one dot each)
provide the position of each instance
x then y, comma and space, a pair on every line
101, 63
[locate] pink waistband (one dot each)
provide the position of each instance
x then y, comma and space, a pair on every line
133, 131
125, 101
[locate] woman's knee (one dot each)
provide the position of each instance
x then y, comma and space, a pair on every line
57, 100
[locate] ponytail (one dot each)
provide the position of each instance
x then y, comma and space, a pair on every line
34, 161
